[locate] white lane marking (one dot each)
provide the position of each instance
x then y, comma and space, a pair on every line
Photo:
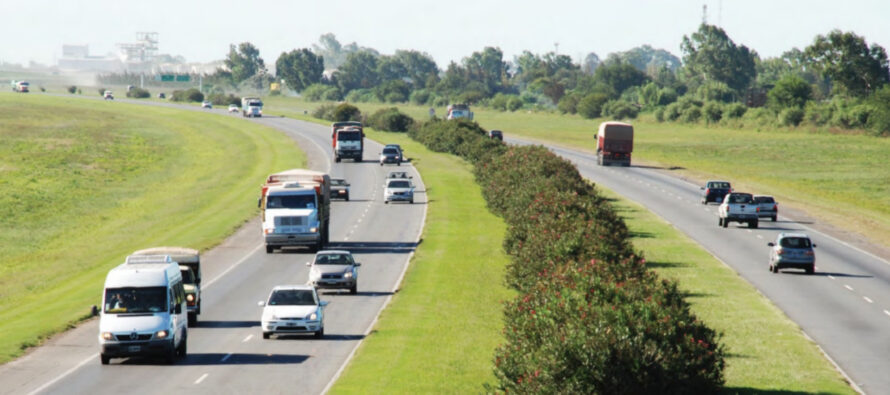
830, 277
240, 261
360, 220
200, 379
246, 339
63, 375
887, 312
759, 236
848, 287
229, 355
867, 299
749, 230
346, 238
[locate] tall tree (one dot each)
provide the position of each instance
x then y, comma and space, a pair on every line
358, 72
591, 62
710, 54
420, 68
299, 68
619, 76
645, 58
488, 69
850, 62
244, 61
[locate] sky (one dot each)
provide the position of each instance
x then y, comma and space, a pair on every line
201, 31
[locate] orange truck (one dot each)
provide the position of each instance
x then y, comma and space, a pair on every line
614, 143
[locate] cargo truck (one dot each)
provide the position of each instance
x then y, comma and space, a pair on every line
251, 107
614, 143
20, 86
296, 209
348, 140
456, 111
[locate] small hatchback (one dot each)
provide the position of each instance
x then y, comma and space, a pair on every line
794, 251
293, 309
334, 269
768, 206
390, 155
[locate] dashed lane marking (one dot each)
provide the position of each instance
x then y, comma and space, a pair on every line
200, 379
848, 287
246, 339
867, 299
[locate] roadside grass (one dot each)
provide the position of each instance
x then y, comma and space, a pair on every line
440, 330
766, 351
84, 183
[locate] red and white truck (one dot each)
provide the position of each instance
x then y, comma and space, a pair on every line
21, 86
455, 111
296, 209
614, 143
348, 140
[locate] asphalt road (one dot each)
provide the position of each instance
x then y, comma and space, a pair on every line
226, 352
844, 306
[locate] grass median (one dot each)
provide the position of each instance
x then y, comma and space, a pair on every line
440, 330
83, 183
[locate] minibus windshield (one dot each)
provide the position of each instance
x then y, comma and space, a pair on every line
135, 300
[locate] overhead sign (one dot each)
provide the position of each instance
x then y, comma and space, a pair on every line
173, 77
183, 78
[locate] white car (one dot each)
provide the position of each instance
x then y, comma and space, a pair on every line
206, 104
334, 269
293, 309
398, 190
233, 108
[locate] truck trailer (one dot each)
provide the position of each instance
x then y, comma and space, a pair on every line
348, 140
614, 143
296, 209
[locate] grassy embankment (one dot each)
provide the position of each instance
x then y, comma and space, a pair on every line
840, 179
83, 183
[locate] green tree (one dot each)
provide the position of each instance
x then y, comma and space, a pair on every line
488, 68
420, 68
591, 62
791, 91
645, 58
709, 54
849, 62
244, 61
619, 75
299, 68
358, 72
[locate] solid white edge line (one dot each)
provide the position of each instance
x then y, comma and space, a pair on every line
63, 375
386, 302
200, 379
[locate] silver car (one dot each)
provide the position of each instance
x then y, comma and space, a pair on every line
768, 207
334, 269
397, 189
792, 250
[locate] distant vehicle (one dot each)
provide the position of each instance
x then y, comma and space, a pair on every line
189, 261
251, 107
296, 209
162, 95
714, 191
614, 143
738, 207
398, 190
390, 155
496, 134
398, 147
335, 269
767, 207
21, 86
339, 189
793, 251
206, 104
398, 175
455, 111
233, 108
108, 95
348, 140
143, 310
293, 309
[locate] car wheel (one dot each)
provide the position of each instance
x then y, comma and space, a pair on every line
354, 289
319, 334
776, 268
266, 335
411, 201
347, 198
774, 218
171, 356
719, 221
771, 267
811, 269
386, 202
270, 249
183, 348
381, 164
104, 359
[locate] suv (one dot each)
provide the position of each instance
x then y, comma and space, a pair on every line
767, 207
108, 95
792, 250
496, 134
714, 191
398, 189
391, 155
334, 269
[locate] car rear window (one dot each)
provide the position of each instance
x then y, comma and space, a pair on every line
719, 185
764, 199
795, 242
740, 198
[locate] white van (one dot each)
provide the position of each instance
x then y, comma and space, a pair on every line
144, 310
187, 258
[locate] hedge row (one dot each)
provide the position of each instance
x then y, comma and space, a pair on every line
589, 316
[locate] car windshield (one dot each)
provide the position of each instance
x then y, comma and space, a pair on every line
764, 199
390, 151
338, 182
795, 242
740, 198
333, 259
291, 201
718, 185
135, 300
188, 276
399, 184
292, 297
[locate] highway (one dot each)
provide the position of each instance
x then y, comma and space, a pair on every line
844, 306
226, 351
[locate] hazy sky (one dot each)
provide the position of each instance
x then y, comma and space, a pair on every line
447, 30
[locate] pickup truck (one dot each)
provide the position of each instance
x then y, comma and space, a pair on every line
738, 207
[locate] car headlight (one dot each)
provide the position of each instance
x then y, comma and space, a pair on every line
162, 334
312, 316
347, 275
313, 229
107, 336
269, 230
190, 297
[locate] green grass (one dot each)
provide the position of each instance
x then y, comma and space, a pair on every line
839, 178
440, 330
83, 183
766, 351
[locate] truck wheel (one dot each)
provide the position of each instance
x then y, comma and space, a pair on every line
725, 222
182, 350
337, 159
719, 221
266, 335
319, 334
347, 197
753, 224
811, 269
270, 249
193, 319
381, 164
104, 359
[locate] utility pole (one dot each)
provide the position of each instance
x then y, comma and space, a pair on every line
704, 14
556, 48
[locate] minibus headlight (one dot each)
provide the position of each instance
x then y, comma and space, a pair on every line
107, 336
161, 334
190, 297
313, 229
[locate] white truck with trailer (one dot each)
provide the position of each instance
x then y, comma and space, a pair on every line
251, 107
296, 207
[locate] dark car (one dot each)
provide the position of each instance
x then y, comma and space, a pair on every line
715, 191
769, 208
794, 251
339, 189
391, 155
398, 147
496, 134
